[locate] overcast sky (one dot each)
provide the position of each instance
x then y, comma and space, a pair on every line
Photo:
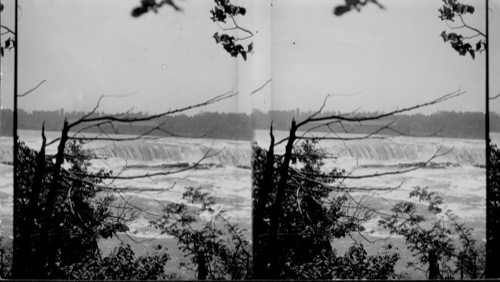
387, 58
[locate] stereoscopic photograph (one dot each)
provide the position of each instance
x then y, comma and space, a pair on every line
249, 139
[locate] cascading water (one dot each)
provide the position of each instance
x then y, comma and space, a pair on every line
463, 154
238, 153
462, 186
178, 151
395, 150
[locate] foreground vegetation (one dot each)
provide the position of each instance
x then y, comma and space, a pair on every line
315, 220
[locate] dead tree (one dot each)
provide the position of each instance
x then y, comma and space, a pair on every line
42, 263
281, 178
51, 180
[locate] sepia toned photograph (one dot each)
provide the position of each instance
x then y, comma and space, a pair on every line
239, 139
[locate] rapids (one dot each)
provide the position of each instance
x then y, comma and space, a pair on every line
228, 176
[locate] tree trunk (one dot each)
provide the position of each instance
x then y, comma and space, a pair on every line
47, 253
433, 265
32, 266
202, 265
259, 228
275, 246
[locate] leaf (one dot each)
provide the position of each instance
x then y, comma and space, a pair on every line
471, 52
340, 10
138, 11
443, 34
250, 47
478, 45
216, 37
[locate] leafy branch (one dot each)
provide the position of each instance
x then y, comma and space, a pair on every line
451, 10
350, 5
222, 11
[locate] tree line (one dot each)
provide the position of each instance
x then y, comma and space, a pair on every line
239, 126
443, 123
236, 126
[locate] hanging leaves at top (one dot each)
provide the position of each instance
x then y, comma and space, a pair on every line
224, 8
220, 13
448, 12
451, 8
151, 5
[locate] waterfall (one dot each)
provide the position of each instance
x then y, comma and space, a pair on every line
170, 151
463, 154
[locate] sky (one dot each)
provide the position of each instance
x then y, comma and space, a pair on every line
369, 60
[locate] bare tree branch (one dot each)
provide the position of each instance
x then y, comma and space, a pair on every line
379, 174
331, 119
258, 89
149, 175
32, 89
495, 97
8, 30
250, 34
108, 119
375, 117
470, 27
210, 101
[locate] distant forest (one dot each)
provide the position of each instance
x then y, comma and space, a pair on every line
239, 126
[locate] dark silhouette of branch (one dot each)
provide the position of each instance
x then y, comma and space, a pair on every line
339, 119
380, 174
375, 117
8, 30
495, 97
123, 118
237, 27
143, 135
258, 89
470, 27
32, 89
337, 137
343, 187
210, 101
149, 175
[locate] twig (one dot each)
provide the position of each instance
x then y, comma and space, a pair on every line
495, 97
258, 89
8, 30
32, 89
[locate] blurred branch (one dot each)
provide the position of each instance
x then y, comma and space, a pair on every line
32, 89
495, 97
354, 5
8, 30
